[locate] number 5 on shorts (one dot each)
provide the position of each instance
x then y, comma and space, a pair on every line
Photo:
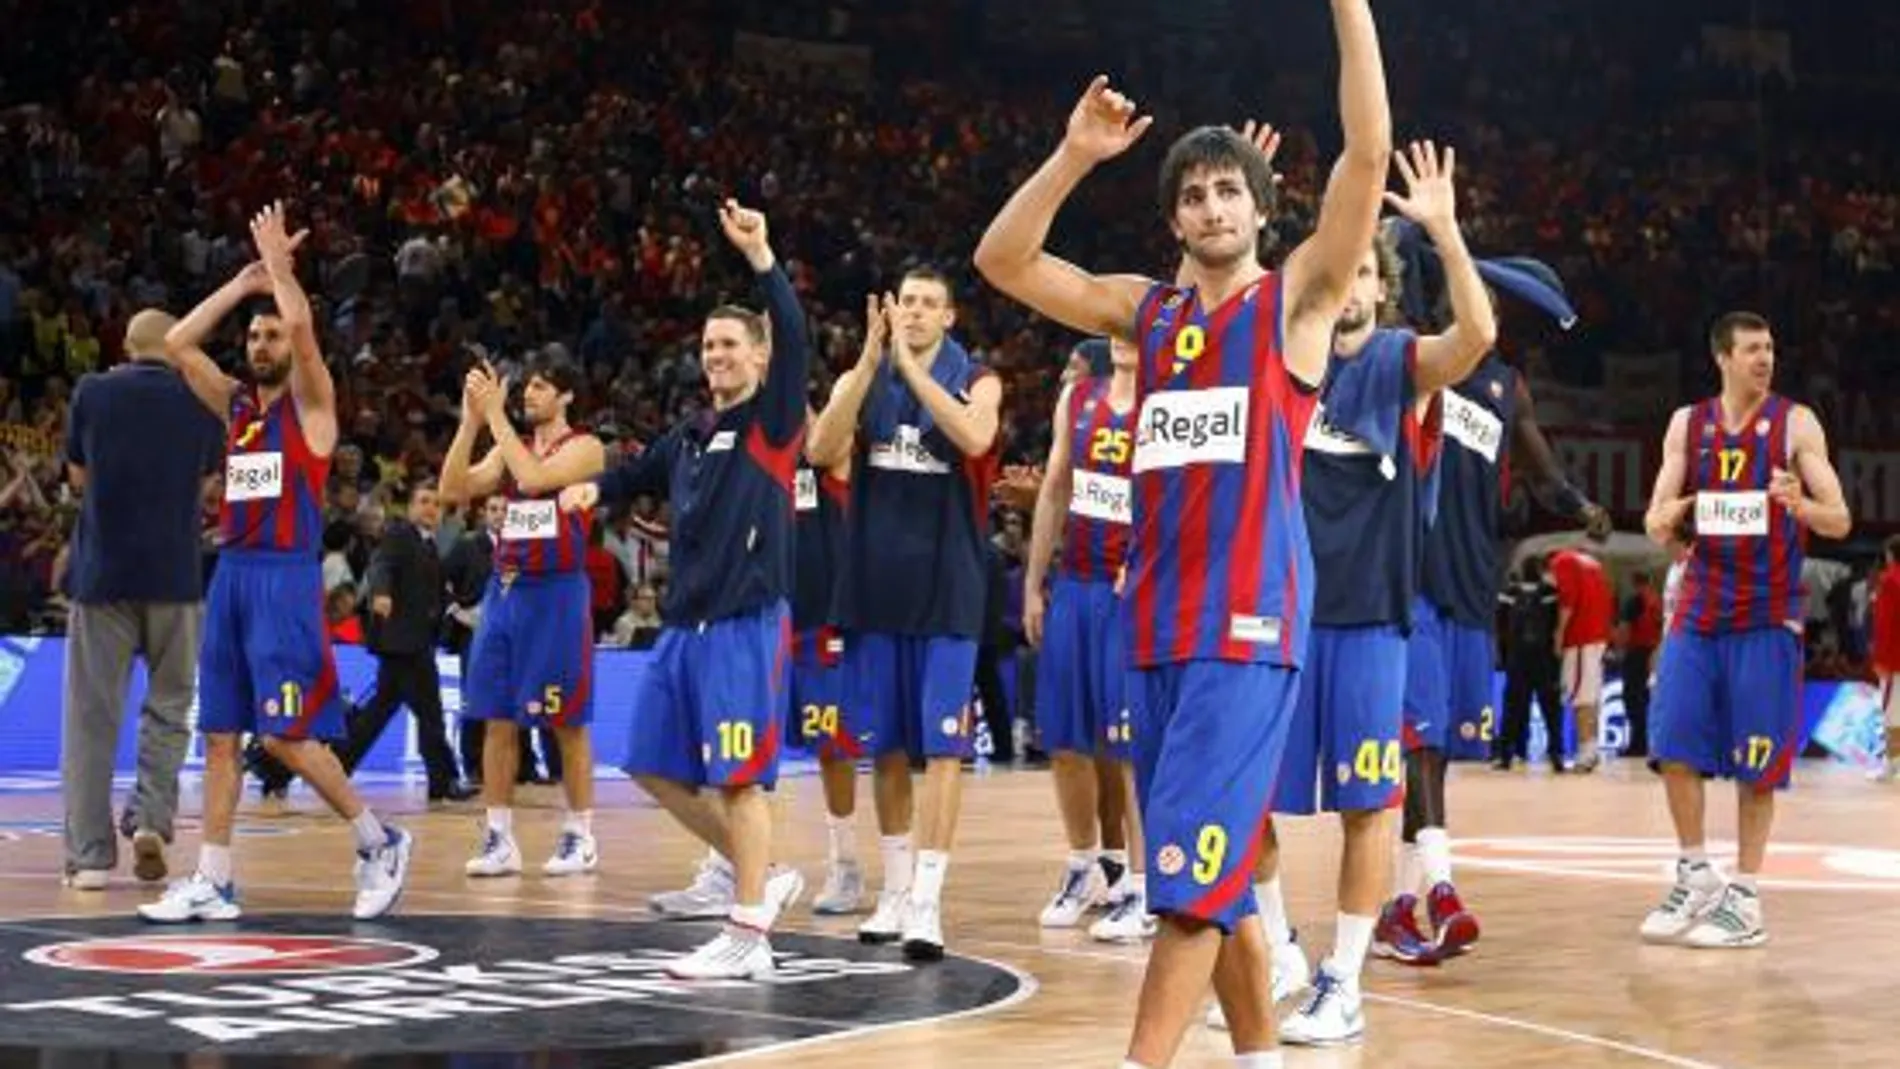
1209, 851
551, 700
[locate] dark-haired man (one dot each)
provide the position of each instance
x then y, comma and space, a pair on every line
532, 659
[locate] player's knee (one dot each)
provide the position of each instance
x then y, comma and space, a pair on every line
1362, 822
1186, 924
223, 746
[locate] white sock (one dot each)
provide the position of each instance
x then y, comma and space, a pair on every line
898, 862
369, 831
1260, 1059
843, 833
1130, 1063
1273, 912
1080, 860
214, 863
501, 819
752, 918
579, 820
1350, 943
927, 885
1411, 870
1434, 852
722, 863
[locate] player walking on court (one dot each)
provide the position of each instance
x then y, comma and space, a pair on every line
266, 667
1369, 490
919, 421
1220, 584
1081, 712
1751, 467
712, 705
531, 662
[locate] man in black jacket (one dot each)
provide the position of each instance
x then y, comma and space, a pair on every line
1531, 666
405, 587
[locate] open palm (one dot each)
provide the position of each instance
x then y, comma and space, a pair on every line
1429, 199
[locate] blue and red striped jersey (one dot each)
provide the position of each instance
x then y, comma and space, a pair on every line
1744, 569
1101, 455
273, 482
1219, 567
537, 538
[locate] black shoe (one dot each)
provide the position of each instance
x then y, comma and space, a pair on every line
454, 792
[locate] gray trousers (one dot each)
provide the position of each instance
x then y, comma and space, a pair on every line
101, 640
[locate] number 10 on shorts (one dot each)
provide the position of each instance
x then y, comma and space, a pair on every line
735, 740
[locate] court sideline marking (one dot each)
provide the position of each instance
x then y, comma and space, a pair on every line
1027, 985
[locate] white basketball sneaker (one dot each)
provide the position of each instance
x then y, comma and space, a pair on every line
574, 855
709, 897
843, 892
1127, 922
886, 923
194, 899
784, 886
380, 875
499, 856
1333, 1015
1735, 923
1697, 892
1073, 897
732, 955
923, 930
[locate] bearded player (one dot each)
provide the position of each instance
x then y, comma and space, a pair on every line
1751, 469
1220, 585
267, 667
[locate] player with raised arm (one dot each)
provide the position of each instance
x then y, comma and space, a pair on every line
919, 420
1220, 585
531, 661
267, 667
711, 708
1369, 488
1751, 468
1081, 713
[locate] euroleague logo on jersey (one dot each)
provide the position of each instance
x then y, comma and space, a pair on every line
229, 954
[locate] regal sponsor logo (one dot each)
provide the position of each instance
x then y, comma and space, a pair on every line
1101, 497
434, 983
1472, 425
253, 476
528, 521
1731, 515
1182, 427
906, 452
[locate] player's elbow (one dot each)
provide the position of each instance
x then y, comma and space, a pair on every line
1001, 263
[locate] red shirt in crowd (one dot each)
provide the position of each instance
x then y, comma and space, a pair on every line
1584, 591
1644, 610
1886, 620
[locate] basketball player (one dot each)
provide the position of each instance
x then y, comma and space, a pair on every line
1489, 422
266, 667
712, 706
531, 662
819, 690
1368, 488
1081, 713
1220, 585
1752, 468
918, 420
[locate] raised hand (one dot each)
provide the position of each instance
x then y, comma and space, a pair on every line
1103, 124
1265, 138
745, 228
275, 245
1597, 521
482, 394
879, 315
1430, 201
580, 496
254, 277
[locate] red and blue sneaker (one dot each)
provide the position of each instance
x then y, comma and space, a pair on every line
1455, 927
1398, 938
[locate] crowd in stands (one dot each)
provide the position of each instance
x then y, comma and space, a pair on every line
523, 177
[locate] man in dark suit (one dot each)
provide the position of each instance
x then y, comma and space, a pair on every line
466, 572
405, 587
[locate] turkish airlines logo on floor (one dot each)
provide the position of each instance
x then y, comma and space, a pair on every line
229, 954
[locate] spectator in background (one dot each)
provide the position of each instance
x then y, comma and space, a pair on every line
639, 626
1585, 607
1530, 666
139, 446
609, 582
1885, 611
340, 608
1642, 634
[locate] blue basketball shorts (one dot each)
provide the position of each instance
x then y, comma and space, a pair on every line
1730, 705
1450, 672
820, 708
914, 692
532, 658
1208, 740
1342, 749
1082, 673
266, 666
710, 710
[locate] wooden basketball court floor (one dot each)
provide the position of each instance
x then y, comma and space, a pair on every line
1560, 870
